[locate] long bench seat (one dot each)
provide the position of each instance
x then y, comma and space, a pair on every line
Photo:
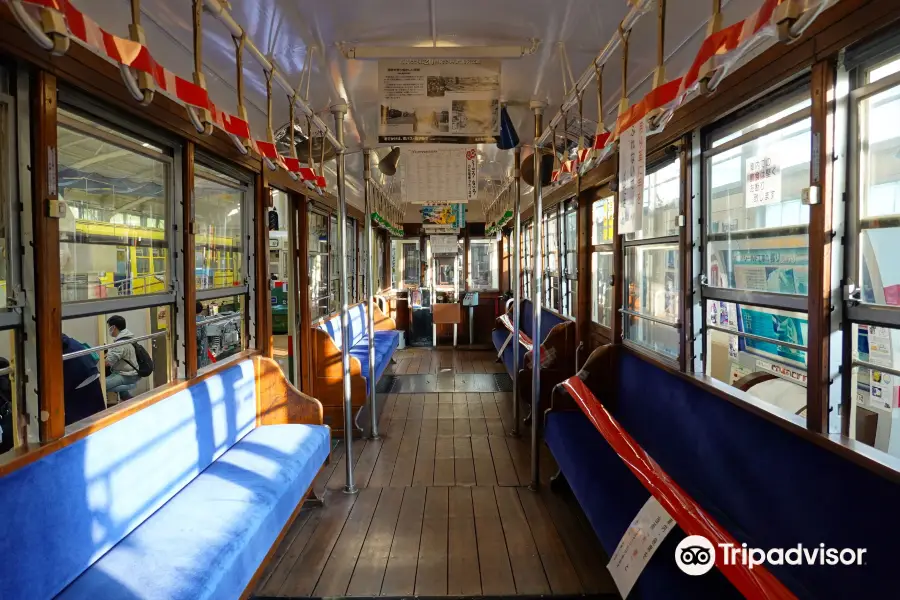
327, 377
769, 484
183, 499
557, 349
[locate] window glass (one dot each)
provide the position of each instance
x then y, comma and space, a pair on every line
551, 260
602, 215
221, 329
774, 346
883, 70
12, 419
483, 273
334, 301
407, 265
379, 271
653, 289
570, 262
754, 192
350, 279
218, 212
602, 290
95, 380
875, 392
662, 196
318, 265
118, 196
527, 253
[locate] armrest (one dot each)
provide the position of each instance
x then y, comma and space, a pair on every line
382, 321
278, 402
327, 356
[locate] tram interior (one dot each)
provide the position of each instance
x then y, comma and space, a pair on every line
420, 299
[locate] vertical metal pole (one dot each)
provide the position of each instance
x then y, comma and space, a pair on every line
293, 292
537, 285
517, 293
370, 292
339, 110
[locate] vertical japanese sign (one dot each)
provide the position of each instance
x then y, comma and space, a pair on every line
763, 181
632, 167
455, 101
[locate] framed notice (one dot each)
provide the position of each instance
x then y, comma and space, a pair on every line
455, 101
632, 167
763, 181
439, 176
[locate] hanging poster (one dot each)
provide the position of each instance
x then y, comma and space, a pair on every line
763, 181
448, 101
645, 534
446, 217
632, 167
439, 176
442, 245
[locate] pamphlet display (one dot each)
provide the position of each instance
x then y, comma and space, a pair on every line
645, 534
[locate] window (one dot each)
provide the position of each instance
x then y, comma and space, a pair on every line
570, 259
350, 279
407, 265
334, 269
379, 253
221, 210
652, 277
602, 216
757, 254
219, 215
551, 280
118, 192
117, 281
483, 273
526, 251
318, 265
874, 226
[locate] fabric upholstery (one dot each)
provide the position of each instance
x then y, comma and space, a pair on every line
73, 505
611, 497
548, 321
386, 341
208, 541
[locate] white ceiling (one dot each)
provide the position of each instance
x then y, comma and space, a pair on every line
288, 29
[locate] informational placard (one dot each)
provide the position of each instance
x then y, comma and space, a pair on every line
439, 176
763, 181
632, 168
448, 101
645, 534
446, 217
875, 345
444, 244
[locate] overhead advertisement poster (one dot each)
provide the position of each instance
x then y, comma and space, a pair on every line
447, 217
439, 176
447, 101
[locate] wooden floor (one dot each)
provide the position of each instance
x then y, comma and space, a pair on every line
442, 508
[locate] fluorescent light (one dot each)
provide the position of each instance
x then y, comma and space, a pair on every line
233, 212
375, 52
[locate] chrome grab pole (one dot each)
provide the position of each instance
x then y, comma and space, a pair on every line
517, 293
339, 110
370, 292
536, 286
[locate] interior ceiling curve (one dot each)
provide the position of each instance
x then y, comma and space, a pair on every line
295, 31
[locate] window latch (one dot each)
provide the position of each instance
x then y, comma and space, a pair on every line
852, 294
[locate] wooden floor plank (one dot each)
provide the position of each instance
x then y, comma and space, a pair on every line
406, 459
290, 548
493, 556
476, 410
561, 575
503, 465
445, 411
416, 406
432, 399
461, 427
339, 477
373, 558
484, 462
431, 572
464, 465
478, 426
463, 578
526, 564
582, 545
400, 575
367, 461
304, 575
327, 470
520, 452
445, 427
384, 466
387, 412
339, 568
401, 407
424, 470
444, 461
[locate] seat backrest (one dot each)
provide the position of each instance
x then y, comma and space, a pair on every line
65, 510
768, 486
356, 325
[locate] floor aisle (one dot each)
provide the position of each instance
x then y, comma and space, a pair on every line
443, 507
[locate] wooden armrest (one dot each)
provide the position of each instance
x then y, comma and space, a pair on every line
279, 402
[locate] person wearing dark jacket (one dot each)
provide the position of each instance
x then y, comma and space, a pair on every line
81, 383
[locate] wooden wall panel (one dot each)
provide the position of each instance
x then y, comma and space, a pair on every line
189, 285
263, 292
304, 316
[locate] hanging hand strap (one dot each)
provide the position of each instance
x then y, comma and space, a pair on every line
200, 117
140, 85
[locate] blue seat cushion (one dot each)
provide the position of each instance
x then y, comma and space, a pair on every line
611, 496
386, 343
208, 541
498, 336
356, 326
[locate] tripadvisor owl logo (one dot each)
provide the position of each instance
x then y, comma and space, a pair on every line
696, 555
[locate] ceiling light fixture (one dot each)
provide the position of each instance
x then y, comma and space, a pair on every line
439, 52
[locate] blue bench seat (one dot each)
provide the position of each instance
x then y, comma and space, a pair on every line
183, 499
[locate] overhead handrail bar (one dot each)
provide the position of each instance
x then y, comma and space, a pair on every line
116, 344
218, 10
